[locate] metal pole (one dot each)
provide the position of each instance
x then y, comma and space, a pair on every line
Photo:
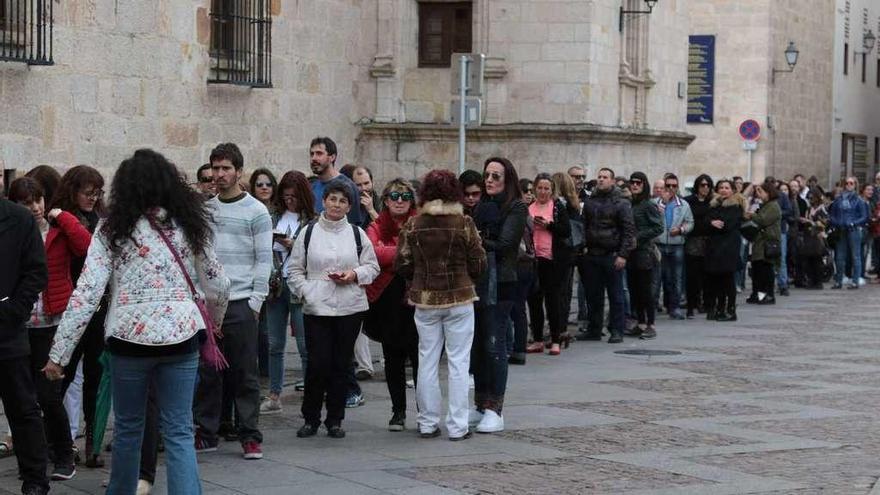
749, 179
462, 110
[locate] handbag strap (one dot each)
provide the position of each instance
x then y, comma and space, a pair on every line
174, 252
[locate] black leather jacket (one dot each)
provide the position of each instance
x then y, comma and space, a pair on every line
501, 230
608, 224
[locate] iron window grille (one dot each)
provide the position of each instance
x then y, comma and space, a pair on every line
241, 43
26, 28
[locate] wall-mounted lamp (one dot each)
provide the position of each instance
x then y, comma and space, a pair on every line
791, 57
649, 3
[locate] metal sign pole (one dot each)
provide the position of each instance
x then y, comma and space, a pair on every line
462, 110
749, 178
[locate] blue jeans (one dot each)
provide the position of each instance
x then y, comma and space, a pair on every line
601, 276
671, 272
489, 353
280, 314
518, 332
175, 379
849, 245
782, 271
740, 276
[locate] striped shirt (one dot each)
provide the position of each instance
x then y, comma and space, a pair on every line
243, 243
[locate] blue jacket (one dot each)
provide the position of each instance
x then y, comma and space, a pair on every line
848, 210
787, 212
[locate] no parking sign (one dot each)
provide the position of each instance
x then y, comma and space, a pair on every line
750, 130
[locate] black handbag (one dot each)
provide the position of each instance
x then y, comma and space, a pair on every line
749, 230
772, 249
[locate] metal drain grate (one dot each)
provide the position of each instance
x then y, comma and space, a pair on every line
647, 352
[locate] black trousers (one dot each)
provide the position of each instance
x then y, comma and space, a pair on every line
813, 275
89, 349
762, 277
330, 345
641, 294
397, 349
696, 275
239, 346
721, 292
547, 296
50, 396
20, 404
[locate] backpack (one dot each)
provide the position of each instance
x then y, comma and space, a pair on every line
308, 238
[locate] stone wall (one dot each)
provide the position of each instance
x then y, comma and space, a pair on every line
130, 73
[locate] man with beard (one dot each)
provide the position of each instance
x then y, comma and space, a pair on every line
322, 160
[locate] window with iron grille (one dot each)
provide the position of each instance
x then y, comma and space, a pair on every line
26, 31
444, 28
241, 43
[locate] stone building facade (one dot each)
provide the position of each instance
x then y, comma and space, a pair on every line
794, 109
855, 144
564, 87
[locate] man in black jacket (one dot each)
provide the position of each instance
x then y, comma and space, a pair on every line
22, 279
609, 237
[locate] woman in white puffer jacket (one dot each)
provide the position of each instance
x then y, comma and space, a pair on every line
332, 263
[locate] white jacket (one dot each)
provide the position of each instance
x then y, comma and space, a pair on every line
332, 248
150, 301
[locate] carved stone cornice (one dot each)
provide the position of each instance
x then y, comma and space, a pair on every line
382, 67
553, 133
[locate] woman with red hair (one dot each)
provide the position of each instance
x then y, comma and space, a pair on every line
440, 252
390, 317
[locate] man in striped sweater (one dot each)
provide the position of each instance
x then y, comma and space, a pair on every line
243, 242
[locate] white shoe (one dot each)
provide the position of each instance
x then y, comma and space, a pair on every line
271, 406
144, 487
471, 382
862, 281
492, 422
474, 417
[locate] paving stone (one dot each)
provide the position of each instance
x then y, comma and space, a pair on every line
739, 367
658, 410
707, 385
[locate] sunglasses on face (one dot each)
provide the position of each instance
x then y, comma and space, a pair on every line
850, 183
93, 194
400, 196
529, 191
475, 194
494, 175
670, 185
206, 180
703, 184
578, 177
635, 182
263, 184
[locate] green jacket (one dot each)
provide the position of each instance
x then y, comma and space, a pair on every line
768, 218
649, 224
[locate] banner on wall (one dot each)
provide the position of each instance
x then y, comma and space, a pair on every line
701, 80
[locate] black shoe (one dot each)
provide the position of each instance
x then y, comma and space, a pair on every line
34, 490
516, 358
363, 375
720, 316
63, 471
307, 430
753, 299
588, 336
815, 287
228, 432
430, 434
615, 338
784, 292
398, 422
837, 286
635, 332
728, 317
463, 437
767, 300
335, 431
710, 315
649, 333
690, 314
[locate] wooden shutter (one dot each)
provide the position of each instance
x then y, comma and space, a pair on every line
444, 29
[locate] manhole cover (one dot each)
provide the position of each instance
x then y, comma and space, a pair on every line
647, 352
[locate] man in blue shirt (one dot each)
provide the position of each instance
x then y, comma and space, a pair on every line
322, 156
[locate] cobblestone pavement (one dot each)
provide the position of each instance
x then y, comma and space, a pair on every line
782, 402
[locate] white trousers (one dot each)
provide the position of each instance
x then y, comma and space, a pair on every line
362, 353
73, 401
455, 327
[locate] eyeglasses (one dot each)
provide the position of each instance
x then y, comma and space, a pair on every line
98, 193
635, 182
671, 185
850, 183
529, 191
494, 175
206, 180
399, 196
474, 194
577, 176
262, 184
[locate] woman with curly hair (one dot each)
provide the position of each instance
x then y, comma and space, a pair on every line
440, 252
390, 317
81, 194
294, 208
155, 253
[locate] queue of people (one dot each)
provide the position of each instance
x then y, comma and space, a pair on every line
187, 292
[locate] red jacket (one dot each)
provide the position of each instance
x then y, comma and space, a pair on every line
66, 239
383, 233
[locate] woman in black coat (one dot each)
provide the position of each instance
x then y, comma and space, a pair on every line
722, 255
696, 243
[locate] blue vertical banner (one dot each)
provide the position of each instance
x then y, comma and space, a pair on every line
701, 80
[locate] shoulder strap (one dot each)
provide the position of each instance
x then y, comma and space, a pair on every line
357, 240
174, 252
308, 238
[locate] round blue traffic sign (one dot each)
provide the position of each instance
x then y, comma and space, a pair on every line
750, 130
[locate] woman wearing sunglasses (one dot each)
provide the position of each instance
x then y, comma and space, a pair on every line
390, 319
501, 219
262, 186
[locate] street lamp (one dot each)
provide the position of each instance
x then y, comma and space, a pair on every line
791, 57
649, 3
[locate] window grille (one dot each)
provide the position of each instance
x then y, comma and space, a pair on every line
26, 31
241, 43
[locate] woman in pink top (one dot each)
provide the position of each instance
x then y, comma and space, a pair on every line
552, 250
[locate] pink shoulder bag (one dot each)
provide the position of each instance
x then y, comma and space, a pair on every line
210, 351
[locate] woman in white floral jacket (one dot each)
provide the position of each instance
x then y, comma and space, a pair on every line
154, 328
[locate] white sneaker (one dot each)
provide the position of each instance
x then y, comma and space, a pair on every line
492, 422
471, 382
271, 406
474, 417
862, 281
144, 487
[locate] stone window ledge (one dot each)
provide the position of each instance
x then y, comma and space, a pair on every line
557, 133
